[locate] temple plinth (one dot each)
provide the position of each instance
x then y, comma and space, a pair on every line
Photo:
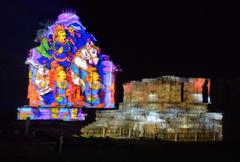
166, 108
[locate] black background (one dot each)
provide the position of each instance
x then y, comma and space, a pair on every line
146, 38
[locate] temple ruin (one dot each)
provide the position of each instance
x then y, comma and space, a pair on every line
166, 108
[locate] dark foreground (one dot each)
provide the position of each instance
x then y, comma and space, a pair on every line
42, 143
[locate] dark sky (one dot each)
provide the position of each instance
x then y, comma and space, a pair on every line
146, 38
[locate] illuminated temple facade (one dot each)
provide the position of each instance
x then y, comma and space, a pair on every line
167, 108
67, 72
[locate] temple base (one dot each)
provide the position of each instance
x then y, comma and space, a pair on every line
50, 113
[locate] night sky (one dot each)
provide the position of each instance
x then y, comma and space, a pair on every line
146, 38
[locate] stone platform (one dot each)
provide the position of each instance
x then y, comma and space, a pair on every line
166, 108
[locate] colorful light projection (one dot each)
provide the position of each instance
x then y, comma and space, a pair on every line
65, 114
67, 69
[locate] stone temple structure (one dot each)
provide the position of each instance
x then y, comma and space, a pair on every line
166, 108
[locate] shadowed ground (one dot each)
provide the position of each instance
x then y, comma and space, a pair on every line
42, 144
